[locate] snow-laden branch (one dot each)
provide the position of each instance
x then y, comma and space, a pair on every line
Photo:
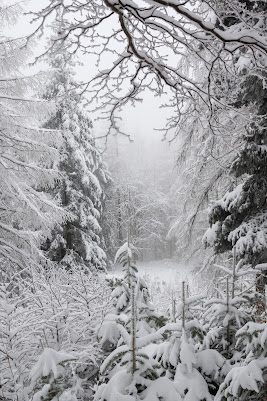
157, 44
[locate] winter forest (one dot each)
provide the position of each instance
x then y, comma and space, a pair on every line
133, 200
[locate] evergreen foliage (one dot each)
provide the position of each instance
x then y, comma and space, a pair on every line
83, 174
183, 356
234, 306
248, 379
27, 212
239, 218
148, 320
136, 324
230, 321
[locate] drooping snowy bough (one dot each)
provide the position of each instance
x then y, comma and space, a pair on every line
158, 44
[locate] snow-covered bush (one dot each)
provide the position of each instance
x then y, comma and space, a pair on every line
55, 310
50, 377
18, 347
247, 380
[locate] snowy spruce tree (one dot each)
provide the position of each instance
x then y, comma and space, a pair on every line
238, 220
83, 174
28, 213
148, 319
247, 380
233, 306
129, 367
130, 370
195, 372
239, 217
231, 329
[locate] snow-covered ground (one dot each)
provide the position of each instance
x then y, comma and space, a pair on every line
164, 279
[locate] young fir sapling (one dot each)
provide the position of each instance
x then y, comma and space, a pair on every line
226, 314
130, 370
192, 370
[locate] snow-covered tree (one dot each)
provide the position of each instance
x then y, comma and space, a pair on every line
83, 172
169, 352
147, 319
203, 161
233, 306
229, 319
182, 356
239, 217
149, 46
132, 206
26, 153
226, 41
129, 367
247, 380
138, 203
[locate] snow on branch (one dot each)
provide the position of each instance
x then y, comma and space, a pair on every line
157, 44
